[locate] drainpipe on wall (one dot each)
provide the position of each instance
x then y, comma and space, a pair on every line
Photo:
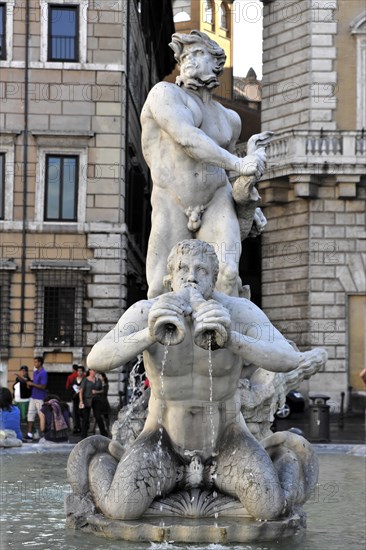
123, 171
127, 96
25, 172
124, 162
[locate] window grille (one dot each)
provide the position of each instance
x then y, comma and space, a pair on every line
4, 312
59, 310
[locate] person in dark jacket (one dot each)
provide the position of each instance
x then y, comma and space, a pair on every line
76, 412
21, 392
100, 403
87, 386
70, 379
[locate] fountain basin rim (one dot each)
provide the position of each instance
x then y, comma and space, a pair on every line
222, 530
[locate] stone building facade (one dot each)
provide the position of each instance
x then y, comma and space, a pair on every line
314, 191
73, 184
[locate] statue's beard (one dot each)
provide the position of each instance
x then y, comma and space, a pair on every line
206, 81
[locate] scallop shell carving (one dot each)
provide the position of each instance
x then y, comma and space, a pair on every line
193, 503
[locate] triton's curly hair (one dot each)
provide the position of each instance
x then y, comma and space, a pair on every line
192, 246
197, 37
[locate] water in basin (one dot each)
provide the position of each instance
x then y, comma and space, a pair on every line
33, 486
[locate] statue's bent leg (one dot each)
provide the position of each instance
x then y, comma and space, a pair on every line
146, 470
244, 470
296, 463
168, 228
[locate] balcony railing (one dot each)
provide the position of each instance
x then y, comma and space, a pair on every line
314, 152
313, 148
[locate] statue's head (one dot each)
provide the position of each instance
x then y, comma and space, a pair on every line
192, 262
200, 59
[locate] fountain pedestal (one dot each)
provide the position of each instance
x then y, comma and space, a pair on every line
193, 515
189, 530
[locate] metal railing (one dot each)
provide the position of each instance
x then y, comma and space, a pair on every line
63, 48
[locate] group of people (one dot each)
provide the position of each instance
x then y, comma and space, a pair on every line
89, 392
30, 399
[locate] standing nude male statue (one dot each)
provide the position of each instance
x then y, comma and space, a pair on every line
188, 140
190, 419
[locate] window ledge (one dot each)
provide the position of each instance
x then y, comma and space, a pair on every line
109, 67
4, 354
8, 137
8, 265
59, 264
77, 354
45, 138
85, 133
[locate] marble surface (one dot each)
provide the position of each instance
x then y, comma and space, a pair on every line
199, 338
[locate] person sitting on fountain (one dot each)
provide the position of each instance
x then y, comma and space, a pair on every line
195, 340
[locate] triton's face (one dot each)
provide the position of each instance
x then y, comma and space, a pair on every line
192, 269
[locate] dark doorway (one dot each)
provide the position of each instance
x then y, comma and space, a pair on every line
250, 268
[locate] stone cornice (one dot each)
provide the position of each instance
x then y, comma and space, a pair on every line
8, 137
46, 138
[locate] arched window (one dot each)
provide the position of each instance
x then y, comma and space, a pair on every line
209, 12
223, 16
358, 28
181, 11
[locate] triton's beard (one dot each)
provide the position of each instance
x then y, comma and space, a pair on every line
206, 81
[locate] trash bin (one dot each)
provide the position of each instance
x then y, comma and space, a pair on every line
319, 418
